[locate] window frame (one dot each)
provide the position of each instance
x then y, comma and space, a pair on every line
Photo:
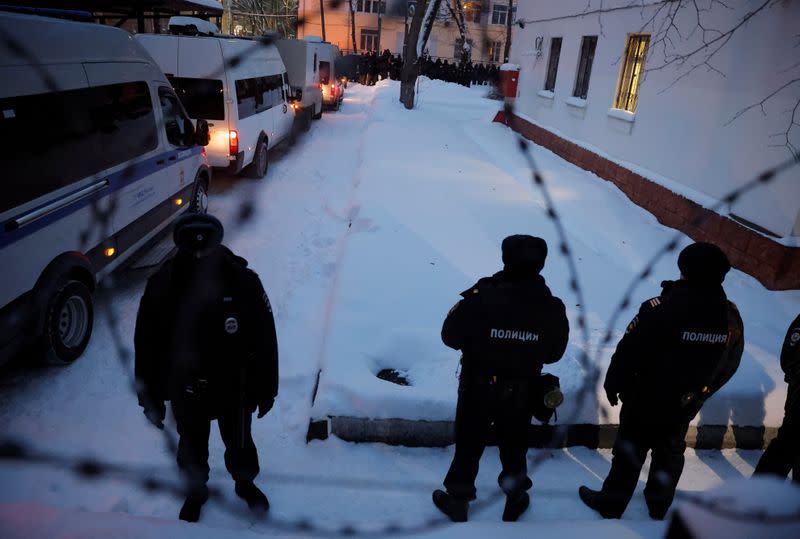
368, 33
626, 96
88, 131
552, 67
583, 73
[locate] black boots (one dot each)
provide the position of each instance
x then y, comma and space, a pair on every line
516, 504
454, 508
594, 499
249, 492
190, 512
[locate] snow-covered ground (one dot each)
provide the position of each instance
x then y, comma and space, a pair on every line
364, 234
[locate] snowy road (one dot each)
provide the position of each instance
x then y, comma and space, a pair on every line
363, 234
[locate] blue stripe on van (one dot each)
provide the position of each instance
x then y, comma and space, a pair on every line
117, 181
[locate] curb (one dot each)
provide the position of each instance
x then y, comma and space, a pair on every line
414, 433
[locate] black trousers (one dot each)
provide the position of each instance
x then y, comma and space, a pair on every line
783, 453
638, 434
194, 428
479, 408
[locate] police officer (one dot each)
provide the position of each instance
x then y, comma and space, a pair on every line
682, 347
507, 326
205, 340
783, 453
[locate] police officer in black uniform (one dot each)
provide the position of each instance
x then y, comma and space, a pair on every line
783, 453
682, 347
507, 327
205, 340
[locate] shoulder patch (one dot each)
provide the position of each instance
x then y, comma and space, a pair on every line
655, 302
632, 325
795, 337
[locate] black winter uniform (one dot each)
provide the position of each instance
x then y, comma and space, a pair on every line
783, 453
681, 348
507, 328
205, 340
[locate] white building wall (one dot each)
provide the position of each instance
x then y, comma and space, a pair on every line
679, 130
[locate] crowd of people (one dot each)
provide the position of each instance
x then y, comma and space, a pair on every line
464, 73
373, 67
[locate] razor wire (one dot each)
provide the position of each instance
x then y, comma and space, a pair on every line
90, 468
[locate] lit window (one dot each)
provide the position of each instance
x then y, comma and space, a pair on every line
631, 73
495, 50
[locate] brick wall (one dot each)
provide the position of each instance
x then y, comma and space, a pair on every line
776, 266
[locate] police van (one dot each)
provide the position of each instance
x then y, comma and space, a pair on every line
309, 65
97, 156
239, 86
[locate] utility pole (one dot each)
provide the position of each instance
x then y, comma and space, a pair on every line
353, 26
507, 50
322, 18
381, 3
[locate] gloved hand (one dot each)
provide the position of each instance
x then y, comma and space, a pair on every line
265, 407
155, 414
612, 397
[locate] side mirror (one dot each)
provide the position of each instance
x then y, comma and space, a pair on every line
201, 136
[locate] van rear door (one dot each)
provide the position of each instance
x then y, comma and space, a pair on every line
201, 86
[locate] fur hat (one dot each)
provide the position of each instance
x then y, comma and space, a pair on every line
703, 263
523, 253
197, 232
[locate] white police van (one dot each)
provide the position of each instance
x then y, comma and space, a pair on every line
239, 86
97, 156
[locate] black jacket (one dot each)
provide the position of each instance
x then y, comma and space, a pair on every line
206, 319
790, 363
507, 327
679, 350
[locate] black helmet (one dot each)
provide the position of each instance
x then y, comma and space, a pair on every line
197, 232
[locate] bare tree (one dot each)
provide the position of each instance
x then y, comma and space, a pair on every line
353, 24
257, 17
421, 26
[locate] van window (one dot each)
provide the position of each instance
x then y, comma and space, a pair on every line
258, 94
315, 62
179, 128
49, 141
202, 98
325, 72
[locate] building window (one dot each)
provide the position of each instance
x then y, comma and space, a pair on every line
500, 14
495, 50
472, 11
588, 46
369, 39
630, 76
552, 64
371, 6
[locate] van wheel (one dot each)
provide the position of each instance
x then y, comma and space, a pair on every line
200, 200
258, 168
307, 118
68, 322
318, 115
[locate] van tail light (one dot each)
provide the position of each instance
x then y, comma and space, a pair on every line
234, 142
